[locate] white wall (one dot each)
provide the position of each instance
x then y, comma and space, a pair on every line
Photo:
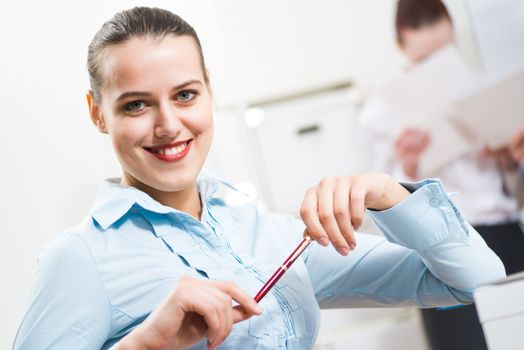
53, 159
275, 47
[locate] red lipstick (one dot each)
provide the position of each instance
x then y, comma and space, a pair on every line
159, 151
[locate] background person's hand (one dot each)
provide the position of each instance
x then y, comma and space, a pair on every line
516, 147
409, 146
195, 309
502, 157
334, 208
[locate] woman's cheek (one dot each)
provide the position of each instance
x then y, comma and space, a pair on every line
130, 133
200, 118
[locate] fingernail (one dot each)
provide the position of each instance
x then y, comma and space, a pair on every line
343, 250
352, 246
323, 241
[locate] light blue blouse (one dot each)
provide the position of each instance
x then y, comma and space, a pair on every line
99, 280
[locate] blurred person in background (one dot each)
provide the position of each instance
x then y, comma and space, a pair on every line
517, 147
423, 27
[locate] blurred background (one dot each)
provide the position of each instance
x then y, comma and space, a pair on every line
288, 78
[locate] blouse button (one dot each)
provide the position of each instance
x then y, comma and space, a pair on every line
239, 272
434, 202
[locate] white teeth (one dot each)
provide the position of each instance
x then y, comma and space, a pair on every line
172, 150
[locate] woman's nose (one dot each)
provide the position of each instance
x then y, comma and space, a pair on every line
167, 121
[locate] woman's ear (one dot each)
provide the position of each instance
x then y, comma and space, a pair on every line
95, 112
208, 74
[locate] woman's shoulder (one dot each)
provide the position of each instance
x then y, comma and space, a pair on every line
71, 246
67, 287
76, 245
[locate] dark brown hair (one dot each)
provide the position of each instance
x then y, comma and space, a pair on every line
415, 14
128, 24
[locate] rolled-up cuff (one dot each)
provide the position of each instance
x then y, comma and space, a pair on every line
423, 219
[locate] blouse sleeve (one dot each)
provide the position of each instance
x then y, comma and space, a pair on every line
429, 257
68, 307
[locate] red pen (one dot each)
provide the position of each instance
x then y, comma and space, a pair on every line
282, 269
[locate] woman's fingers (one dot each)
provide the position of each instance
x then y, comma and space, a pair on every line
224, 310
412, 141
212, 300
196, 308
210, 303
211, 315
424, 143
246, 302
326, 215
410, 166
336, 207
357, 201
518, 155
309, 214
221, 315
224, 293
517, 147
341, 210
409, 146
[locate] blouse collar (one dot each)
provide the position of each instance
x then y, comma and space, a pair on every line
114, 200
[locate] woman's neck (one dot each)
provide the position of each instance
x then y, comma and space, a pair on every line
186, 200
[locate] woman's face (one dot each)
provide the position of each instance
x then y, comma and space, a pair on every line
157, 109
417, 44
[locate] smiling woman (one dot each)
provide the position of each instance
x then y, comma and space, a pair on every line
158, 262
156, 106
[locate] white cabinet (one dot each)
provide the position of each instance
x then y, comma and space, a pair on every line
301, 140
501, 311
371, 329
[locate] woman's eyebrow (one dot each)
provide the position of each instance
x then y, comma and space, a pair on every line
133, 94
147, 94
189, 82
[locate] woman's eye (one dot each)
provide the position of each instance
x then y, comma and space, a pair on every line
186, 96
134, 106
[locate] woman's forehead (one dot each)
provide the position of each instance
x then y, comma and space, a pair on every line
146, 60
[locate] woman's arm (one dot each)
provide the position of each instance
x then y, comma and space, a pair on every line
431, 256
68, 306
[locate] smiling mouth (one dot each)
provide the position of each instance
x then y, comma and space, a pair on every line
170, 152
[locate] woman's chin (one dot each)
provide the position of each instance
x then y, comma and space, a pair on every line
160, 183
173, 185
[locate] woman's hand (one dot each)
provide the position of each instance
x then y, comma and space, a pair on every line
195, 309
409, 146
502, 157
334, 208
516, 147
